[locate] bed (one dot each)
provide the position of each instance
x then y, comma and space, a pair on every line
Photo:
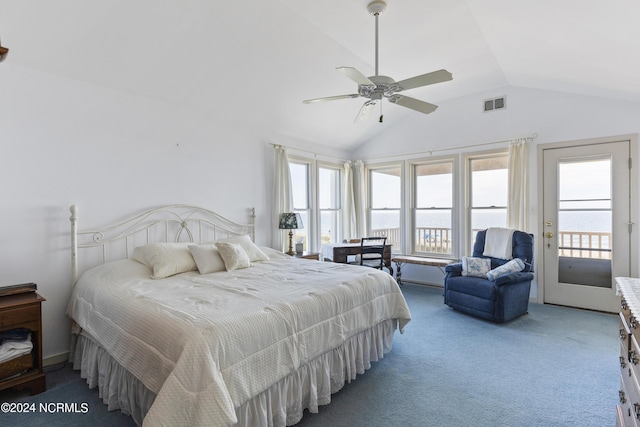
180, 319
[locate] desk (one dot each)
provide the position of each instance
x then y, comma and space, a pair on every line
338, 252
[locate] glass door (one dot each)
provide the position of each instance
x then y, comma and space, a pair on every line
586, 230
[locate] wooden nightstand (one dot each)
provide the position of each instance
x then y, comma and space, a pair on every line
23, 311
308, 255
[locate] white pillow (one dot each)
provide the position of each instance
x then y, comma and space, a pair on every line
138, 255
233, 255
207, 258
166, 259
253, 251
475, 267
512, 266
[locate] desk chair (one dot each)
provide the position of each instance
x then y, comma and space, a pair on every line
351, 258
371, 252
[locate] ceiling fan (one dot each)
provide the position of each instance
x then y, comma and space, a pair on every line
377, 87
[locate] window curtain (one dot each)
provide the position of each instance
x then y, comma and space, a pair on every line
282, 196
518, 184
359, 199
348, 206
354, 201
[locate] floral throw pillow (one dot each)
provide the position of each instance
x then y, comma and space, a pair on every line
475, 267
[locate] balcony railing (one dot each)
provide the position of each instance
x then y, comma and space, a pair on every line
392, 235
581, 244
578, 244
428, 239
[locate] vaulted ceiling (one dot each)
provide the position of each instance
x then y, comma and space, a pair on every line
253, 62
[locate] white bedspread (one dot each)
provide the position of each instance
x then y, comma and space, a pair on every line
205, 344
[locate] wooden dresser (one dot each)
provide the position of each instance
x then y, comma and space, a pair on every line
23, 311
628, 409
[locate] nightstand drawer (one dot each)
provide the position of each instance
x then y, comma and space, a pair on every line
17, 316
16, 365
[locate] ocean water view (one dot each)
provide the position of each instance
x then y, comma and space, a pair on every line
595, 221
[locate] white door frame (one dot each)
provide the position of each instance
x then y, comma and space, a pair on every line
634, 185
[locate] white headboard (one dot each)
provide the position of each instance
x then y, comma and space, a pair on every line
171, 223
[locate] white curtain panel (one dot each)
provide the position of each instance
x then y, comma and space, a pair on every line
359, 198
518, 184
348, 206
282, 196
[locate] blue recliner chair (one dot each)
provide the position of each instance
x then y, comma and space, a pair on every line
499, 300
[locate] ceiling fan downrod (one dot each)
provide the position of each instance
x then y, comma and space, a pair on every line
376, 15
375, 8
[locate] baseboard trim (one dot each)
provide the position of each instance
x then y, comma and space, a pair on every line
418, 282
55, 359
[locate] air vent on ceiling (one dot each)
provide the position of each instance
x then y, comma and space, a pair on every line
495, 104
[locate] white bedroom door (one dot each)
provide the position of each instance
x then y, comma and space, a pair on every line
586, 224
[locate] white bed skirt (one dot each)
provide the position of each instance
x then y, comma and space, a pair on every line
282, 404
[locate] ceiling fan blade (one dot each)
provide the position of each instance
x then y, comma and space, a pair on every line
355, 75
365, 111
331, 98
414, 104
425, 79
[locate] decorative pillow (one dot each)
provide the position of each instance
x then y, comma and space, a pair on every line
512, 266
207, 258
253, 251
475, 267
233, 255
138, 255
166, 259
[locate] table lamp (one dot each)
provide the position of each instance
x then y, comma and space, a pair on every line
290, 221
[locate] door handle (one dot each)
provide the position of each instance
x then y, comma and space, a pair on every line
548, 235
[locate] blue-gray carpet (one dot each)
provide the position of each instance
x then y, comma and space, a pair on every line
555, 366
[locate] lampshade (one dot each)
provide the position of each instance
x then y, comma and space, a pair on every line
290, 220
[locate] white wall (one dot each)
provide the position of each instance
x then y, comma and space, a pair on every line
553, 116
63, 142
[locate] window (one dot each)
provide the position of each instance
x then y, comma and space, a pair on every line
585, 212
317, 197
428, 220
329, 203
488, 192
300, 187
433, 207
385, 202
